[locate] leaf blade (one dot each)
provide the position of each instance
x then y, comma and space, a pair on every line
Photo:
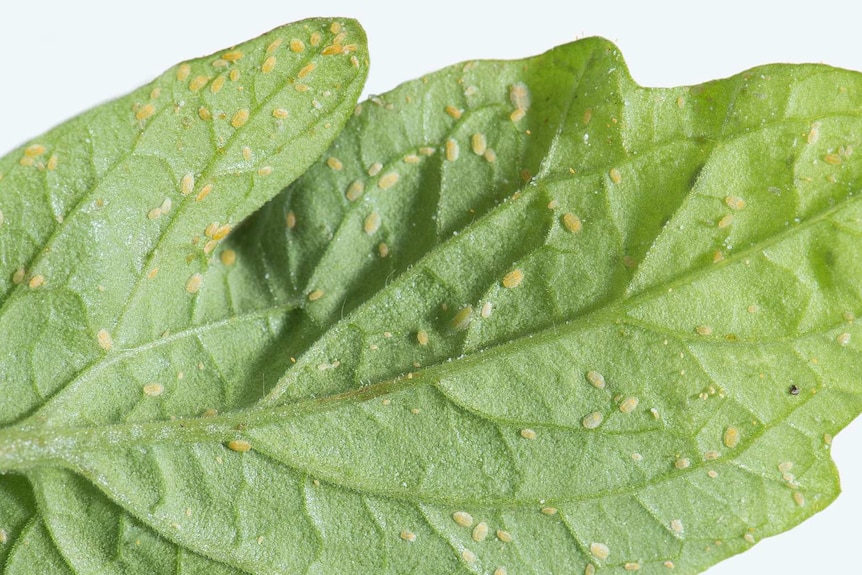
340, 433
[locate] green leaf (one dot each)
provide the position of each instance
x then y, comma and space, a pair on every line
582, 341
108, 228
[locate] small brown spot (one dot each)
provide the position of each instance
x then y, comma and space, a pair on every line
814, 133
193, 285
596, 379
205, 191
478, 143
273, 46
408, 536
735, 202
239, 445
198, 82
332, 50
145, 112
315, 295
388, 180
480, 532
290, 220
592, 420
183, 72
731, 437
153, 389
36, 150
105, 340
374, 169
572, 222
371, 223
462, 518
629, 404
519, 96
513, 279
463, 318
228, 257
268, 65
306, 70
452, 150
221, 232
832, 159
334, 163
240, 118
600, 551
217, 84
354, 190
297, 46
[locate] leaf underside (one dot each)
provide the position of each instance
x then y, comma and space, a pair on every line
521, 315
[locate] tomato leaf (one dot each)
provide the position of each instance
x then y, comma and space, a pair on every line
108, 230
521, 317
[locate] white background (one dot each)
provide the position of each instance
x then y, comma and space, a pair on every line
60, 58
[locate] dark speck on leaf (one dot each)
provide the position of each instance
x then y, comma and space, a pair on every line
794, 390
